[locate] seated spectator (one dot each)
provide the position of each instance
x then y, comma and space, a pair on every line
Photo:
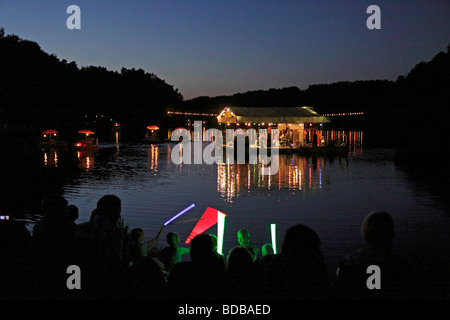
266, 249
240, 273
172, 254
202, 278
378, 232
15, 243
72, 214
52, 237
98, 246
298, 272
218, 255
214, 239
243, 236
137, 246
252, 249
143, 280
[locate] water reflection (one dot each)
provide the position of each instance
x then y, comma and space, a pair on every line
297, 173
153, 157
50, 157
86, 160
353, 138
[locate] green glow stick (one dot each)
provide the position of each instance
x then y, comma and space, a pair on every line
273, 233
220, 230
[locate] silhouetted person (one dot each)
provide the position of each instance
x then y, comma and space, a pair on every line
98, 247
15, 243
72, 213
93, 214
137, 246
243, 236
50, 234
378, 232
214, 239
240, 273
266, 249
298, 272
52, 238
252, 249
218, 255
172, 254
203, 277
143, 280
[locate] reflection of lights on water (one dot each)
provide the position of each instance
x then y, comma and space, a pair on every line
295, 173
320, 178
300, 181
51, 158
230, 177
153, 154
86, 160
310, 177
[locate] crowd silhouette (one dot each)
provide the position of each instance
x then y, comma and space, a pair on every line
117, 263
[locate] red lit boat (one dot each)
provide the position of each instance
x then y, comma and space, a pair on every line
152, 135
88, 142
50, 140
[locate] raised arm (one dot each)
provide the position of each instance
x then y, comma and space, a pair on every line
153, 241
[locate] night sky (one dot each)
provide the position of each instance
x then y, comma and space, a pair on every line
212, 47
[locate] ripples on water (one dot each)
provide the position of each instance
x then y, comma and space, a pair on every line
330, 195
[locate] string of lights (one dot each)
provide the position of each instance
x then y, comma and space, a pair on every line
192, 113
215, 115
343, 114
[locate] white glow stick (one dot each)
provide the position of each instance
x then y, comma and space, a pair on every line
220, 231
273, 233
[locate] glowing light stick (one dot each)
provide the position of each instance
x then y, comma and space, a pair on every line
273, 233
179, 214
207, 220
220, 230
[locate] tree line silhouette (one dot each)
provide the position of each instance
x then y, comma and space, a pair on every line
39, 91
410, 112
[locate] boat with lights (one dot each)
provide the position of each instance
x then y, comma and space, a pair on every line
152, 135
87, 142
50, 137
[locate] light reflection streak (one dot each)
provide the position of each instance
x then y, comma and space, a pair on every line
51, 158
233, 178
86, 160
153, 156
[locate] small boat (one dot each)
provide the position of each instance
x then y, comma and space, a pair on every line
151, 135
51, 142
87, 143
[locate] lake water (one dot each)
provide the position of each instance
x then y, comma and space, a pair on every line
330, 195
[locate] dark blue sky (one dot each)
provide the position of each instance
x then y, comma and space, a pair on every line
213, 47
